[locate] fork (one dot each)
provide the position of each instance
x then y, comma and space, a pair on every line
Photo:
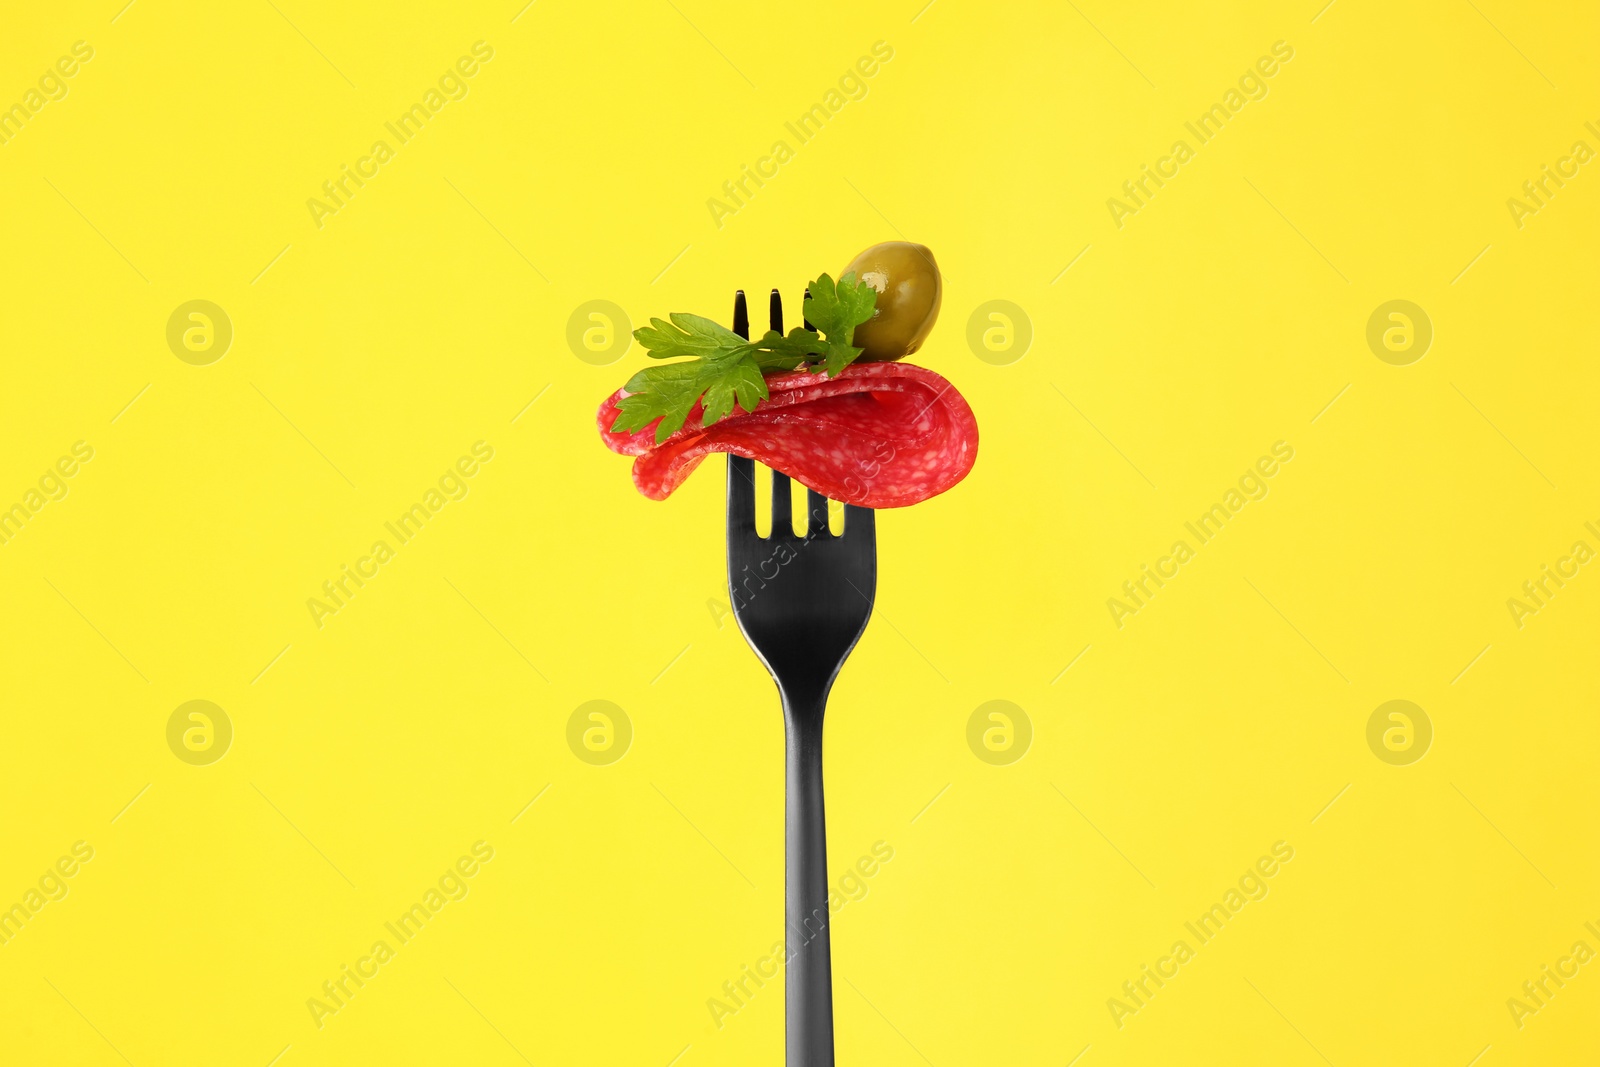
801, 603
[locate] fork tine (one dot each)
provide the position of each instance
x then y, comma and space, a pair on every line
741, 471
775, 312
816, 514
741, 496
782, 506
859, 523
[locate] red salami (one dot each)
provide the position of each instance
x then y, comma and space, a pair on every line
879, 435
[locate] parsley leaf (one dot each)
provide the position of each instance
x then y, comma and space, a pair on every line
743, 382
667, 393
836, 310
725, 369
686, 335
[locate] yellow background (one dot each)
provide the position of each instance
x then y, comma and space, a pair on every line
1225, 716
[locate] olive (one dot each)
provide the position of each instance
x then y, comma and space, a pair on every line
909, 289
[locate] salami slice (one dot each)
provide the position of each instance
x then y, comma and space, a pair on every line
879, 435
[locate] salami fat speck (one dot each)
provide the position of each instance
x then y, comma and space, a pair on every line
879, 435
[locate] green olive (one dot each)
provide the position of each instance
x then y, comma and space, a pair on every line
909, 289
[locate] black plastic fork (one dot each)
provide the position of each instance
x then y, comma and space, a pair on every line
802, 603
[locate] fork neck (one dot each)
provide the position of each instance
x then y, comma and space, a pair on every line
803, 707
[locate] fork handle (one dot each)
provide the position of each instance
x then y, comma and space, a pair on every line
808, 979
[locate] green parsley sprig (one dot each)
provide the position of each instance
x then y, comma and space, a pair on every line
724, 368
